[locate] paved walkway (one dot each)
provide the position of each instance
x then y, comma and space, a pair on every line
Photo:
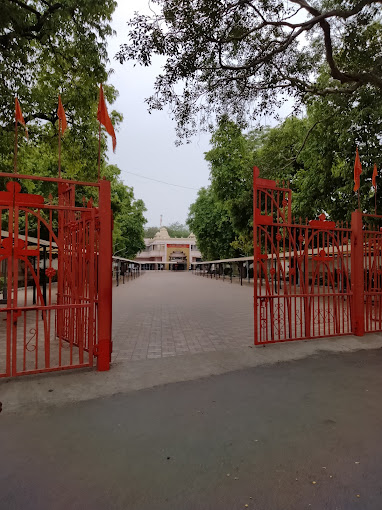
238, 429
167, 313
171, 327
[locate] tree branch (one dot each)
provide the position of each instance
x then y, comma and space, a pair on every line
26, 6
52, 118
42, 18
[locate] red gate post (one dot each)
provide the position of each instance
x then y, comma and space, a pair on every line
256, 309
104, 277
357, 275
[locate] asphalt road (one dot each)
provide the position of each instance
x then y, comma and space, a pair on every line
297, 435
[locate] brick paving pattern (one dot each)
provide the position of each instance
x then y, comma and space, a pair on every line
167, 313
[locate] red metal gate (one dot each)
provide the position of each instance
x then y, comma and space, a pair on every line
371, 277
55, 279
303, 287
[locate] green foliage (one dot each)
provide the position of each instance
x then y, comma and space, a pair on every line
128, 214
315, 153
231, 162
239, 58
150, 232
175, 229
209, 221
47, 48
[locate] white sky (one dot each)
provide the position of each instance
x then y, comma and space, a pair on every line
145, 143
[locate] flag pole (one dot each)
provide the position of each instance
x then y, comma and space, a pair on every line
375, 200
359, 202
99, 151
15, 156
59, 148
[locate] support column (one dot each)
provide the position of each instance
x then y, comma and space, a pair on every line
44, 275
357, 275
104, 278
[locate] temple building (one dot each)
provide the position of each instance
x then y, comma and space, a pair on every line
165, 252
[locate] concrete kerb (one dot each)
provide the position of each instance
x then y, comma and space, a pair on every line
34, 393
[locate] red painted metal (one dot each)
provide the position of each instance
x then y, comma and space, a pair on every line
51, 255
372, 272
314, 278
303, 286
357, 266
104, 278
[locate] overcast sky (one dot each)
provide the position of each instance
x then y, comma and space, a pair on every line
145, 143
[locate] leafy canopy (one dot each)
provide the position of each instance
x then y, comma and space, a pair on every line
175, 229
210, 222
315, 153
50, 47
241, 57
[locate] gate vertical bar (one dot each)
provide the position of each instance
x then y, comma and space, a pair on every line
15, 277
9, 290
104, 277
357, 275
92, 287
255, 248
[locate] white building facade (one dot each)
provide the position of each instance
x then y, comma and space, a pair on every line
165, 252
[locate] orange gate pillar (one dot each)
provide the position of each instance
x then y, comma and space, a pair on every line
104, 277
357, 275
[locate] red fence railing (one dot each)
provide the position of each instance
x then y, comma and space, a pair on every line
57, 281
315, 278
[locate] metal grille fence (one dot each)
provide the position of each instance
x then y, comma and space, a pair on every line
315, 278
50, 263
372, 275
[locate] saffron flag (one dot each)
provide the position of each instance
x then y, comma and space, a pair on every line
62, 124
19, 115
375, 175
104, 118
357, 172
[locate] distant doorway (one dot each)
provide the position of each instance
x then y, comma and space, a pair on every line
178, 260
179, 267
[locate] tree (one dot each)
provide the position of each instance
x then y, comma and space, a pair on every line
150, 232
314, 153
209, 221
231, 161
51, 47
47, 47
128, 215
222, 217
177, 229
239, 57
